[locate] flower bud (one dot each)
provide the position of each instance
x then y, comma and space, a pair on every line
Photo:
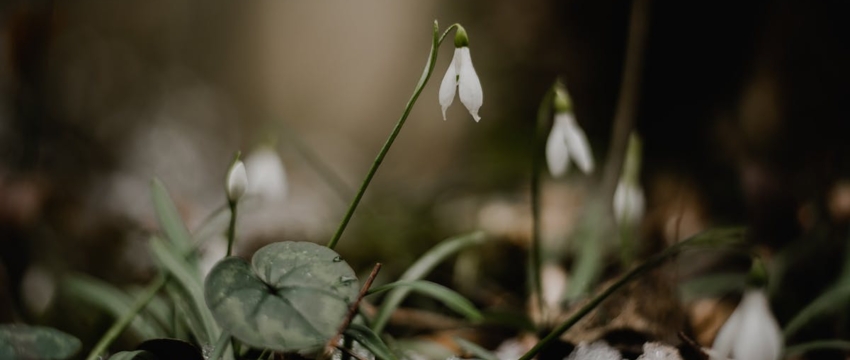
237, 181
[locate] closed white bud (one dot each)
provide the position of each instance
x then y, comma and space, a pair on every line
237, 181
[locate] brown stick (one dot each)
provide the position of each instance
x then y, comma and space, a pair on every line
331, 345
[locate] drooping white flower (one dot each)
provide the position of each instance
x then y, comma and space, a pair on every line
267, 174
629, 202
237, 181
567, 141
751, 332
461, 76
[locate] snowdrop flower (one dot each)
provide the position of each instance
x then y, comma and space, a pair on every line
237, 181
461, 75
267, 174
629, 202
566, 140
751, 333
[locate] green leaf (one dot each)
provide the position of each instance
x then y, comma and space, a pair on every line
36, 342
112, 300
183, 272
447, 296
475, 349
170, 221
712, 285
419, 270
371, 341
829, 301
292, 297
133, 355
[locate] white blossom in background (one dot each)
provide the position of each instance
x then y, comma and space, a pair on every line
659, 351
750, 333
237, 181
566, 140
629, 201
267, 174
597, 350
461, 77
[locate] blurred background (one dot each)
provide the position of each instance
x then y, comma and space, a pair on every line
742, 112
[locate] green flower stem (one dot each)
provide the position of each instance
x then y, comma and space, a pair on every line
122, 323
231, 229
534, 260
710, 238
220, 346
426, 74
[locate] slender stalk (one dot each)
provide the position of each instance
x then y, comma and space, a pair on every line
534, 259
119, 325
231, 229
710, 237
426, 74
220, 346
352, 311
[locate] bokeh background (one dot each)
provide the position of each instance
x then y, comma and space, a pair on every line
742, 111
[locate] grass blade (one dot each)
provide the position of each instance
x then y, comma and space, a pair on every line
447, 296
112, 300
475, 349
170, 221
190, 281
419, 270
371, 341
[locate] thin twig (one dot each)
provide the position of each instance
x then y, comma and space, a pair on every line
352, 311
693, 344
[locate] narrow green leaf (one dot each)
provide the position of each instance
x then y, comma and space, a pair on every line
371, 341
112, 300
170, 221
712, 285
173, 263
831, 300
447, 296
475, 349
36, 342
419, 270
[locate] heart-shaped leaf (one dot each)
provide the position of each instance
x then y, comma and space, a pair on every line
36, 342
293, 297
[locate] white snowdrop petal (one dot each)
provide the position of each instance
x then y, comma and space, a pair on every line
267, 174
751, 332
448, 86
629, 203
237, 181
557, 154
726, 336
577, 143
759, 335
469, 86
